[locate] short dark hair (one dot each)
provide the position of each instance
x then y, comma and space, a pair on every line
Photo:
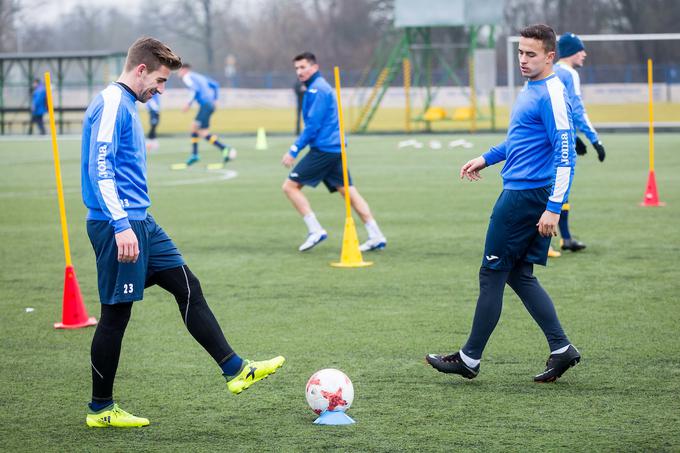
309, 56
153, 54
186, 65
543, 33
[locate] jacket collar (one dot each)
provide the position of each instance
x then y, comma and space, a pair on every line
311, 80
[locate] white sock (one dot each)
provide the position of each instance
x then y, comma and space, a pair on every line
560, 351
313, 225
469, 361
373, 229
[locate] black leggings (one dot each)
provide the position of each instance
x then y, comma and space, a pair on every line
196, 315
490, 303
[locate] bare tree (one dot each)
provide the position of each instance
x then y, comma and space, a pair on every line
193, 21
9, 9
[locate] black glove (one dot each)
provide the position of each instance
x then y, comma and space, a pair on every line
580, 146
600, 150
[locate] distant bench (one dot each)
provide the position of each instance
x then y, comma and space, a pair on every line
20, 117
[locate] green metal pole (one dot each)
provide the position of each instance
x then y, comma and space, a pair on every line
428, 74
90, 78
2, 97
30, 92
492, 94
471, 82
60, 89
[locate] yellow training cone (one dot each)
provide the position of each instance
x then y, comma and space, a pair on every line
350, 256
261, 142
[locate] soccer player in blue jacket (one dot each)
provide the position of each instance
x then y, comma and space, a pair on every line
205, 93
539, 166
323, 162
572, 53
38, 105
131, 250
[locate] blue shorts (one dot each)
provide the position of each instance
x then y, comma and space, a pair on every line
513, 235
205, 111
319, 166
125, 282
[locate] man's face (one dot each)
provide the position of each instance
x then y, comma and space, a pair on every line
304, 69
578, 58
534, 62
151, 83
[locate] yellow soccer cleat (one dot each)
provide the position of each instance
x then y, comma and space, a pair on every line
552, 253
115, 417
253, 372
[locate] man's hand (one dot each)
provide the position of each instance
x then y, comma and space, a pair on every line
600, 150
547, 224
471, 169
186, 108
128, 247
287, 160
580, 146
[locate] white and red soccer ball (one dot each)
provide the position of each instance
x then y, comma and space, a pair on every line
329, 389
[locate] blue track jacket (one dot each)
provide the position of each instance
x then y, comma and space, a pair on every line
320, 114
539, 148
113, 159
206, 90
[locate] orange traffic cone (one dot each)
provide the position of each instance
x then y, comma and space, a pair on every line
73, 314
651, 194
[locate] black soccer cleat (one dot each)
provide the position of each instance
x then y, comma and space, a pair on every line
573, 245
557, 364
452, 364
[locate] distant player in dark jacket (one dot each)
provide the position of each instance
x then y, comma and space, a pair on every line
38, 105
323, 162
539, 167
154, 108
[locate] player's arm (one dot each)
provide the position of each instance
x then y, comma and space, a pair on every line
106, 126
582, 122
189, 84
319, 103
471, 168
215, 87
557, 118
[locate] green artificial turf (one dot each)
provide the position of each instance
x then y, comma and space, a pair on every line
618, 301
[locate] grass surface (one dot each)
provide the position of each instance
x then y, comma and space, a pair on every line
618, 301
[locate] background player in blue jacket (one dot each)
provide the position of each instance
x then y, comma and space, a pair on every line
572, 53
205, 93
323, 162
38, 106
132, 250
539, 167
